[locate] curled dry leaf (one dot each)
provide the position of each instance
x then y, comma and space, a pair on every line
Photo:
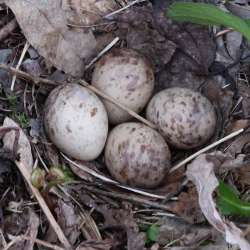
201, 173
44, 24
23, 145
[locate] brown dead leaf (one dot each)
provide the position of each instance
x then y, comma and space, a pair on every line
27, 223
187, 206
193, 42
88, 12
240, 145
136, 26
172, 229
244, 92
123, 219
201, 173
95, 245
44, 24
23, 146
242, 176
68, 220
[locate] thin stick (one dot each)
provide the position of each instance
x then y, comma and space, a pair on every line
44, 206
124, 8
137, 200
7, 29
25, 48
121, 106
23, 75
223, 32
37, 80
37, 241
191, 157
108, 180
106, 49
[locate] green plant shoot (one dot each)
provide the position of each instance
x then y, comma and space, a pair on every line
229, 203
152, 233
207, 14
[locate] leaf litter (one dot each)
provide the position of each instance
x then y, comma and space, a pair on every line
91, 214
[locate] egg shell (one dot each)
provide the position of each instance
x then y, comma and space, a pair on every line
184, 117
76, 121
127, 76
137, 155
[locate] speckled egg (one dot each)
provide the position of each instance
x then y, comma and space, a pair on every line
137, 155
184, 117
127, 76
76, 121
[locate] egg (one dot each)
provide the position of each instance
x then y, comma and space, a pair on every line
76, 121
127, 76
185, 118
137, 155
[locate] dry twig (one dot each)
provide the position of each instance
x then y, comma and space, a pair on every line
44, 206
37, 241
203, 150
25, 48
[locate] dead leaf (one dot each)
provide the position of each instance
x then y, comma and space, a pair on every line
187, 206
201, 173
239, 8
44, 24
95, 245
68, 220
172, 229
29, 222
32, 67
123, 218
136, 26
198, 55
242, 176
23, 146
88, 12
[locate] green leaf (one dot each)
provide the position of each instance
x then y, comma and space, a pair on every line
152, 233
207, 14
229, 203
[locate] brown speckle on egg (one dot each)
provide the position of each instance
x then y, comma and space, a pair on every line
184, 117
125, 75
69, 125
141, 160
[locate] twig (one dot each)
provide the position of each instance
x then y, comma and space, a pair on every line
124, 8
223, 32
108, 180
121, 106
25, 48
134, 199
107, 48
37, 80
23, 75
37, 241
191, 157
7, 29
44, 206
